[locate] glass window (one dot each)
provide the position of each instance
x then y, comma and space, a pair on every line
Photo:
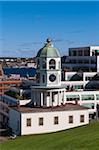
81, 118
28, 122
70, 119
86, 53
76, 87
72, 97
88, 78
80, 53
89, 105
40, 121
56, 120
74, 53
87, 97
97, 96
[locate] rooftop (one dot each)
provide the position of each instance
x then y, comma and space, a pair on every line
48, 50
66, 107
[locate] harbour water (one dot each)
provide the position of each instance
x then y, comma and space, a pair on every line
23, 72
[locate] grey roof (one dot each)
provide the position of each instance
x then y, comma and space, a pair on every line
66, 107
94, 85
48, 51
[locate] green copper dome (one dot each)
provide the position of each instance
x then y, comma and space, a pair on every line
48, 51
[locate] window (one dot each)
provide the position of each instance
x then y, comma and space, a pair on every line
28, 122
52, 64
80, 53
72, 97
89, 105
56, 120
74, 53
70, 119
40, 121
81, 118
43, 78
86, 53
88, 97
97, 96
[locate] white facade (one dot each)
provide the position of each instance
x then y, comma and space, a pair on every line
89, 99
19, 125
98, 64
77, 89
48, 90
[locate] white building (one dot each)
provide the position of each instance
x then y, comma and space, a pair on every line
47, 111
81, 77
24, 120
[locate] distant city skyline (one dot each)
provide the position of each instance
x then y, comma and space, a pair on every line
25, 26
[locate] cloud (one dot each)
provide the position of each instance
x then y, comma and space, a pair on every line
57, 40
29, 44
69, 42
24, 51
75, 31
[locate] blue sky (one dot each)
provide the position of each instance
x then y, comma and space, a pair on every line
24, 26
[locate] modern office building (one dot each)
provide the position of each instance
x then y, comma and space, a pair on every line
81, 76
82, 58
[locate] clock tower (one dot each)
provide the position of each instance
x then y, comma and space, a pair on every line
48, 66
48, 90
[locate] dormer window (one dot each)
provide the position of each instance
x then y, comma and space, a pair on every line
52, 64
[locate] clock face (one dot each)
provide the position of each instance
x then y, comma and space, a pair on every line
52, 77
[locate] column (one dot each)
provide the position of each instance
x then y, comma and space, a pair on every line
95, 102
64, 97
80, 99
41, 99
45, 98
97, 63
50, 101
58, 99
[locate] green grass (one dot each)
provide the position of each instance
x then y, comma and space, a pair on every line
81, 138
